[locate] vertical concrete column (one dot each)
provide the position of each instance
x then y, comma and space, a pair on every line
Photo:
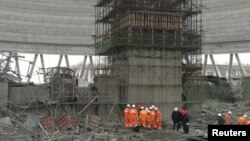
60, 61
205, 65
86, 74
230, 66
43, 68
91, 66
215, 66
17, 67
32, 67
242, 70
83, 66
67, 61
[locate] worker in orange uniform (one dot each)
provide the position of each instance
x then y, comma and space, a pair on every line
227, 118
126, 116
242, 120
133, 116
147, 119
143, 117
248, 122
158, 117
151, 122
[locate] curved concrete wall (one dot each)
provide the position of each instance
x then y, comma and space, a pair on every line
47, 26
226, 26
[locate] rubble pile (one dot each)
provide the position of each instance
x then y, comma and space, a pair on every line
86, 127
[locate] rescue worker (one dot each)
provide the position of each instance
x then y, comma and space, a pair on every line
147, 119
248, 122
176, 118
133, 116
242, 120
183, 111
126, 116
227, 118
185, 122
151, 118
143, 117
158, 117
185, 119
220, 120
140, 108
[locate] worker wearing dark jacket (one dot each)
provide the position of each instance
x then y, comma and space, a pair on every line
185, 119
176, 118
220, 119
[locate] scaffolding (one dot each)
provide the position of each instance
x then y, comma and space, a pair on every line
151, 49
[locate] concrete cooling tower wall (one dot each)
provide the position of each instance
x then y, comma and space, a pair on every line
47, 26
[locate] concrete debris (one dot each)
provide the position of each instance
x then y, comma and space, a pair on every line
31, 121
101, 136
6, 121
57, 127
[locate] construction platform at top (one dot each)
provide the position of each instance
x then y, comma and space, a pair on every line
167, 24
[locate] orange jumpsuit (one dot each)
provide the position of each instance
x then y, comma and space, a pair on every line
126, 117
133, 117
227, 119
241, 120
143, 118
158, 117
151, 123
248, 122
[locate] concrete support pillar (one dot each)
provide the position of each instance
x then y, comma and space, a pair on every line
86, 74
242, 70
43, 68
17, 67
205, 66
91, 67
32, 68
77, 73
230, 66
83, 66
60, 61
215, 66
67, 61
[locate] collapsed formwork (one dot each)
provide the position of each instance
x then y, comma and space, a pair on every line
152, 50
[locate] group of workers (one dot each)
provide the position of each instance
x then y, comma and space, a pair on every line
180, 118
242, 120
142, 116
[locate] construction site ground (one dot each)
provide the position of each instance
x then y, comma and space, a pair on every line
11, 129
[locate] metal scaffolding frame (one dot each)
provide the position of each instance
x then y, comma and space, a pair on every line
133, 37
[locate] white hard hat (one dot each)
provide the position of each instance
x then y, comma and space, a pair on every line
133, 105
156, 108
229, 112
142, 107
176, 109
128, 105
146, 109
245, 115
150, 108
219, 114
153, 106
